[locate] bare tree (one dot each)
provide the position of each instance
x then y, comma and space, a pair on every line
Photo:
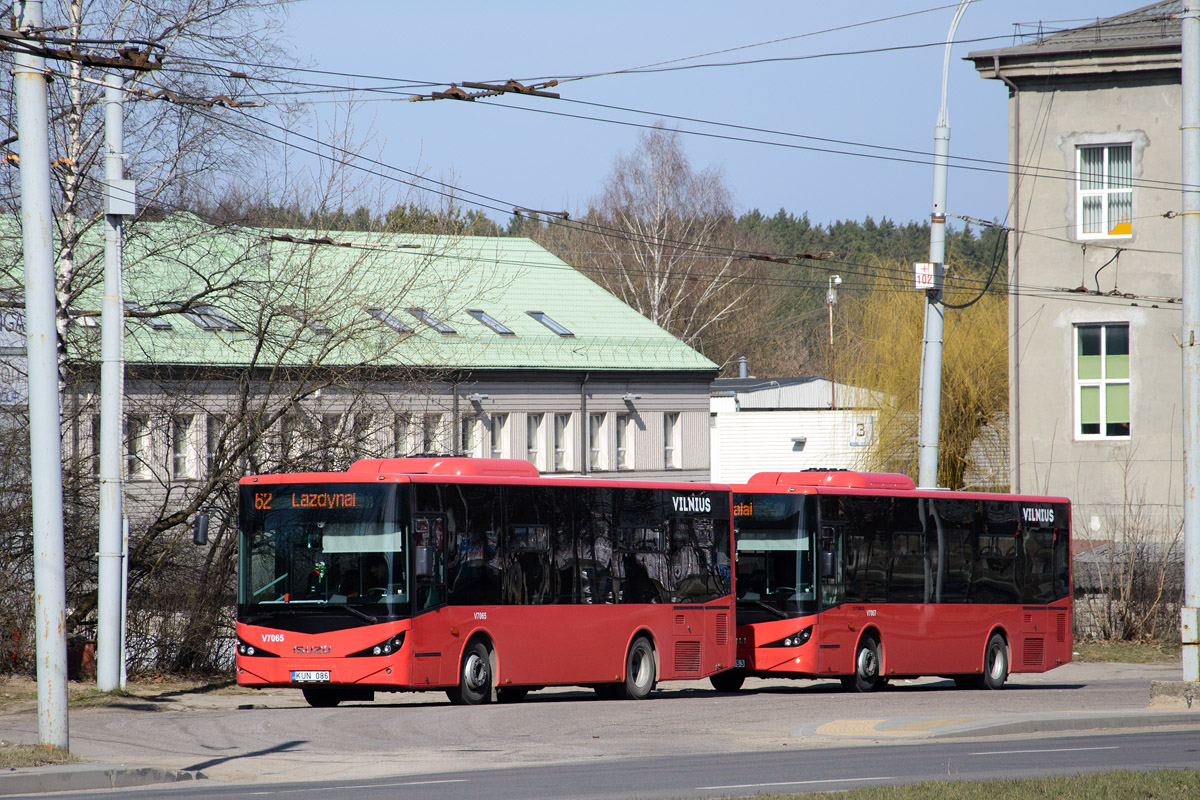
662, 239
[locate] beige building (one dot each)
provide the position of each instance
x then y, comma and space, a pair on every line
1095, 267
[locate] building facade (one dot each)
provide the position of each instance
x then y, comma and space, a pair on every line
1095, 268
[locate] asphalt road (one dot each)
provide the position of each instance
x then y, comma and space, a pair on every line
724, 774
272, 737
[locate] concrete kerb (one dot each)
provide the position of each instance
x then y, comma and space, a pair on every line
80, 777
902, 728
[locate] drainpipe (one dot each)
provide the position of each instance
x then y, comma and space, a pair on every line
583, 425
1014, 300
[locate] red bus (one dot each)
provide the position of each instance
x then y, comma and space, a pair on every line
864, 578
480, 578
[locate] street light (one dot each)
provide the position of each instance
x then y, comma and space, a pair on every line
831, 299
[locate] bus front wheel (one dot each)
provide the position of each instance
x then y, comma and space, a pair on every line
867, 666
474, 677
728, 681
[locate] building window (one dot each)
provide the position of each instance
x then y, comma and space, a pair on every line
137, 445
181, 446
389, 320
400, 433
432, 321
533, 439
624, 433
499, 422
545, 319
364, 433
1104, 194
212, 437
95, 435
1102, 381
671, 440
466, 436
562, 426
331, 439
490, 321
429, 434
595, 441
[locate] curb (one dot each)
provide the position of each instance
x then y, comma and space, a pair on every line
79, 777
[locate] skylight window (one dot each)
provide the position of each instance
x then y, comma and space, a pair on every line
156, 323
432, 321
389, 320
541, 317
209, 318
307, 320
490, 321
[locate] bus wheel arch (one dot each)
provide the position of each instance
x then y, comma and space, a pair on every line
868, 663
476, 673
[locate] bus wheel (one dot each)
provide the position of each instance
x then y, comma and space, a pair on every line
322, 698
639, 670
511, 694
474, 678
866, 666
728, 681
995, 663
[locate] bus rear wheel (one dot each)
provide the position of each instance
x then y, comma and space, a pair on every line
995, 663
640, 671
474, 677
728, 681
867, 666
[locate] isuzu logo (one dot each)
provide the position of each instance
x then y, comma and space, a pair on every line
312, 650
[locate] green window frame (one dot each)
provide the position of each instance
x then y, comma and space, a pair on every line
1102, 381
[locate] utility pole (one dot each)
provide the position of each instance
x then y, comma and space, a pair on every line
1191, 323
119, 203
45, 457
931, 349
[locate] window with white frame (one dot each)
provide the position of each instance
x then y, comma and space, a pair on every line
596, 442
1102, 381
212, 435
533, 439
430, 438
1104, 191
562, 439
466, 435
137, 446
181, 446
401, 426
363, 432
499, 424
671, 440
331, 440
624, 437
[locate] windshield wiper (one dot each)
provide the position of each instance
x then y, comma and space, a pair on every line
360, 614
775, 611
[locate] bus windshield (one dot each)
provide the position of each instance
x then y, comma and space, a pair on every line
320, 545
776, 561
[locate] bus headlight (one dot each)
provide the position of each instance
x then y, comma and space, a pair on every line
384, 648
794, 640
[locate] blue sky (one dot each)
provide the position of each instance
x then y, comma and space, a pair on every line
508, 149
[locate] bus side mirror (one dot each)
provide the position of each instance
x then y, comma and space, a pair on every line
200, 529
827, 562
424, 566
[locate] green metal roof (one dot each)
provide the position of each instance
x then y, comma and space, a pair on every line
271, 286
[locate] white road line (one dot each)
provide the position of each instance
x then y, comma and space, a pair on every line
370, 786
1060, 750
790, 783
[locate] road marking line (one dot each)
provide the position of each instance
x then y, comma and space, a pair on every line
367, 786
1060, 750
790, 783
